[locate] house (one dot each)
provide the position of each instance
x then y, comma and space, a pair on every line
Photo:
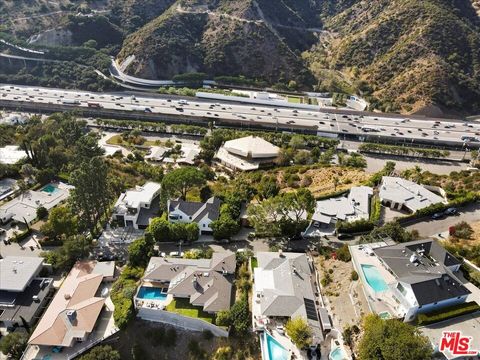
207, 283
135, 207
355, 206
157, 153
7, 187
402, 194
189, 211
106, 269
247, 153
23, 293
23, 208
74, 311
410, 278
284, 288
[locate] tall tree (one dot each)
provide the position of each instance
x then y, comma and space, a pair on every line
91, 197
179, 181
392, 340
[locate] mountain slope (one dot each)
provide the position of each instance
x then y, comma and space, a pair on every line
412, 54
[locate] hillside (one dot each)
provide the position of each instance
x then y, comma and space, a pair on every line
225, 38
409, 54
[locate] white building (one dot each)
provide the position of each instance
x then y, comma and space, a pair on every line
355, 206
201, 213
247, 153
135, 207
398, 193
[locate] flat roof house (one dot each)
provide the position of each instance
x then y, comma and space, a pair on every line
284, 288
22, 292
189, 211
135, 207
207, 283
74, 310
355, 206
423, 276
398, 193
247, 153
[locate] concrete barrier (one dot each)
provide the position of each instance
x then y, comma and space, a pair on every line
181, 321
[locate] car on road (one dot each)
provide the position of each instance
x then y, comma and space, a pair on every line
437, 216
451, 211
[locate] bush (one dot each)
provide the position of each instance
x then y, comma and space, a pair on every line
447, 313
343, 253
351, 227
354, 275
463, 230
42, 212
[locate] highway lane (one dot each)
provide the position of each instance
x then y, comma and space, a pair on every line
399, 128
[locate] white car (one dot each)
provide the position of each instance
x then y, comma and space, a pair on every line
176, 254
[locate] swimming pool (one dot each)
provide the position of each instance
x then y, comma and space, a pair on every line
374, 279
50, 188
151, 293
273, 350
337, 354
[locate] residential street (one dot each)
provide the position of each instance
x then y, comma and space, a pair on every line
429, 227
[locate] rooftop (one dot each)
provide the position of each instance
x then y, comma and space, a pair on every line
251, 147
73, 311
353, 207
141, 194
11, 154
16, 272
412, 195
424, 264
197, 210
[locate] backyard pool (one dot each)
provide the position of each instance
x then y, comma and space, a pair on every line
374, 279
338, 354
50, 188
273, 350
151, 293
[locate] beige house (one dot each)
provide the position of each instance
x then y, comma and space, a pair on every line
74, 310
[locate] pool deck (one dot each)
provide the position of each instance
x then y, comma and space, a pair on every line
378, 302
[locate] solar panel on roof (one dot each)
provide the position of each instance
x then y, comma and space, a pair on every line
310, 309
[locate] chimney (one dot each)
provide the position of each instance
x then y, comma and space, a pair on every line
72, 315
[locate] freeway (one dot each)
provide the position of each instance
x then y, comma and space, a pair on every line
393, 128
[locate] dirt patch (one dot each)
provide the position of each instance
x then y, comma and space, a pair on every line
329, 179
346, 297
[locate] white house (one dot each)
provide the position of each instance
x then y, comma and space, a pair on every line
135, 207
398, 193
247, 153
355, 206
201, 213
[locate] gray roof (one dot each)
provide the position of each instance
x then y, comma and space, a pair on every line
424, 264
105, 268
16, 272
197, 210
283, 282
206, 282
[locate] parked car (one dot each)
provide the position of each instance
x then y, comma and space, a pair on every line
176, 254
437, 216
451, 211
344, 236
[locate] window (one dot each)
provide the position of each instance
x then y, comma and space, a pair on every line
180, 217
401, 289
203, 225
190, 218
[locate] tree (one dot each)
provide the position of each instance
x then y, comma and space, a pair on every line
392, 229
61, 221
160, 229
140, 251
42, 212
240, 315
14, 344
299, 331
224, 227
105, 352
179, 181
91, 197
268, 187
192, 232
392, 340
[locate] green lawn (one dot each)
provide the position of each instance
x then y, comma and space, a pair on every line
183, 307
294, 99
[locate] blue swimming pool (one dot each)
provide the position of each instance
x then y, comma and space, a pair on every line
374, 279
338, 354
151, 293
273, 350
50, 188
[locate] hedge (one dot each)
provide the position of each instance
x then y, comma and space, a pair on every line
358, 226
447, 313
375, 209
403, 150
331, 195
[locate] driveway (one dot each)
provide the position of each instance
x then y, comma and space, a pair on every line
429, 227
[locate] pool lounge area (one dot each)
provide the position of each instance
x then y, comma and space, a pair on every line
152, 293
271, 348
374, 278
50, 189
